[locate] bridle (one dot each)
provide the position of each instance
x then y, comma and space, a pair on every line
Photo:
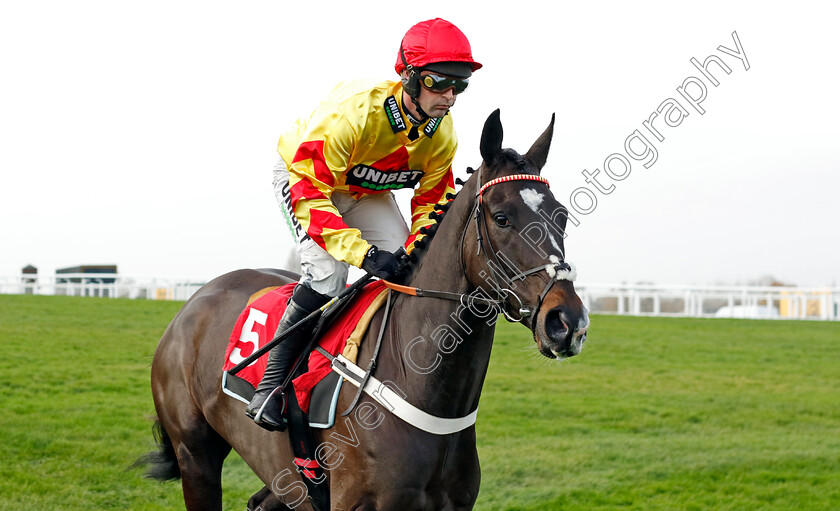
557, 269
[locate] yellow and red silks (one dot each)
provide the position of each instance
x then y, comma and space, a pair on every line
355, 142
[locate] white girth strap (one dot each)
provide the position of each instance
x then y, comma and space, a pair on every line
383, 395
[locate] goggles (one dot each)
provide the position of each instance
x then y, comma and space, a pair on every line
438, 83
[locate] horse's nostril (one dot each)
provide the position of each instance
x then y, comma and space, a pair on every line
555, 327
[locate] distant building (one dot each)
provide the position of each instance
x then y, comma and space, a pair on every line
30, 279
64, 285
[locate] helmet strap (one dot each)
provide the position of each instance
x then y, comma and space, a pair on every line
423, 114
411, 85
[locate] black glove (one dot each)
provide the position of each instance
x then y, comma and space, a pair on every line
381, 263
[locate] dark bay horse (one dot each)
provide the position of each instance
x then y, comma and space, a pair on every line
499, 247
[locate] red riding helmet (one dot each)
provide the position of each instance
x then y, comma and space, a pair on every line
433, 41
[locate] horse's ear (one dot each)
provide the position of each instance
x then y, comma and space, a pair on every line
491, 138
538, 153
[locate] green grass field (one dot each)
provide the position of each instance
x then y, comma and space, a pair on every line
655, 414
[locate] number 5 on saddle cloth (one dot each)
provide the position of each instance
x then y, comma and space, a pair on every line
340, 327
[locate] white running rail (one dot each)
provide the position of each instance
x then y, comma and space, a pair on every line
756, 302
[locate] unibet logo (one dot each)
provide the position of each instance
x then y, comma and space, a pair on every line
395, 118
370, 178
431, 127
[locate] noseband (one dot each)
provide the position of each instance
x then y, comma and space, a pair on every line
557, 269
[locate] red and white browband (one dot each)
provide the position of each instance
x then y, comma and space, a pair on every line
515, 177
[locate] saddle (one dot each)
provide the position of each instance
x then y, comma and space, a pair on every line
315, 385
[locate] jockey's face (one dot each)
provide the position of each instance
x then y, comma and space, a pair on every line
434, 101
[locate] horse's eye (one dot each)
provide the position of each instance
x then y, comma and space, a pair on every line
501, 220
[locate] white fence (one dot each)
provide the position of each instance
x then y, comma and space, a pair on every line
755, 302
107, 285
625, 299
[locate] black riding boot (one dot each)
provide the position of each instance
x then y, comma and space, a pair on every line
281, 357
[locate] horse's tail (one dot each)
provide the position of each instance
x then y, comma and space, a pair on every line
161, 464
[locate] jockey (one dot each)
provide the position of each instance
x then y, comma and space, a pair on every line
336, 172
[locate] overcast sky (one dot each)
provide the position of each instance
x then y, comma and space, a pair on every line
143, 134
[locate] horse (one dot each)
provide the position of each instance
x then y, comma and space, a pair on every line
435, 352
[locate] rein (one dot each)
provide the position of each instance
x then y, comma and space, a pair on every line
446, 295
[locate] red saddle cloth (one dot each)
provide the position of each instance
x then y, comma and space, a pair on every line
257, 324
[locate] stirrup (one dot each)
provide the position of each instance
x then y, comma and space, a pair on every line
270, 426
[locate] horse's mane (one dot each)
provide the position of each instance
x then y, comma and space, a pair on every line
421, 246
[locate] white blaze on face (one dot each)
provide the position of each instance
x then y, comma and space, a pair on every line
533, 199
